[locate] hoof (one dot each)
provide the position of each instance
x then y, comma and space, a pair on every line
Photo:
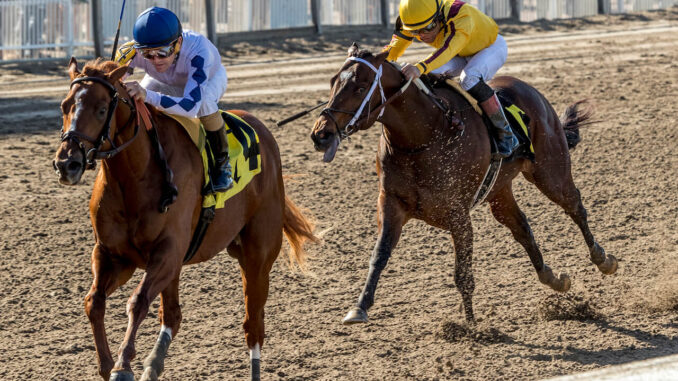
561, 284
354, 316
149, 375
610, 265
121, 375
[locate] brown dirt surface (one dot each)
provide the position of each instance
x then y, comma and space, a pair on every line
625, 168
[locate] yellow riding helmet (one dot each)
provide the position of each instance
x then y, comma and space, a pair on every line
416, 14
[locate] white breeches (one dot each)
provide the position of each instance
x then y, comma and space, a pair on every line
482, 65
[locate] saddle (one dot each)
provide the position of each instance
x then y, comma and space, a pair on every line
517, 118
518, 121
245, 159
244, 154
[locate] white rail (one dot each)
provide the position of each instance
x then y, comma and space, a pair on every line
39, 29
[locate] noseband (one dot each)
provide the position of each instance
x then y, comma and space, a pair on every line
90, 156
351, 127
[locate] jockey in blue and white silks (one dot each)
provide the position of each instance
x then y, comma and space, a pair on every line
184, 76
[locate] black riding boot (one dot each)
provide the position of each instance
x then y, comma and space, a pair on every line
506, 141
222, 180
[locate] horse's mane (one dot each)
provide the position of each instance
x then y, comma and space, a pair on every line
99, 67
364, 53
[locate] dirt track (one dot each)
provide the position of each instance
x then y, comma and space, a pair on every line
625, 168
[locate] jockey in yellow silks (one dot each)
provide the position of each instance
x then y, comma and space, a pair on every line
467, 45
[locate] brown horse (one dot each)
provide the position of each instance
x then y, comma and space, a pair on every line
131, 232
430, 170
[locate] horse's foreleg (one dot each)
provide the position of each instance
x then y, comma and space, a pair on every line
506, 211
163, 267
462, 235
108, 275
170, 318
391, 220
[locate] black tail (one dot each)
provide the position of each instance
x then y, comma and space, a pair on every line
576, 115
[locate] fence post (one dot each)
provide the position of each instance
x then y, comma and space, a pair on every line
97, 28
211, 28
69, 32
604, 7
515, 9
315, 16
384, 13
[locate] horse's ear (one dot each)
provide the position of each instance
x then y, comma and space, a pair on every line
73, 68
353, 49
118, 73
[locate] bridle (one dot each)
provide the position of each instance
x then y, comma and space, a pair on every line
351, 126
90, 156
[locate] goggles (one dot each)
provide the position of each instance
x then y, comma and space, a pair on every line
162, 52
428, 28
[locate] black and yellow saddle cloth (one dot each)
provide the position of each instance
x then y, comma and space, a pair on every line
243, 149
517, 119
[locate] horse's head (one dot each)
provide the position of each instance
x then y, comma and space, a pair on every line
87, 112
358, 89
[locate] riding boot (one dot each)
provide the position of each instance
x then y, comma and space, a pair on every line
220, 171
507, 142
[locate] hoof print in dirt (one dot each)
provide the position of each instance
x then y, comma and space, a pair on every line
567, 307
453, 332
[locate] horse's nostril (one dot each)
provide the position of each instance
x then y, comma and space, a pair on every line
73, 166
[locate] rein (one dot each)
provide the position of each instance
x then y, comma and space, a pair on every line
141, 113
350, 127
90, 156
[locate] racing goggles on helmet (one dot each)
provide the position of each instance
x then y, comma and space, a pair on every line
162, 52
428, 28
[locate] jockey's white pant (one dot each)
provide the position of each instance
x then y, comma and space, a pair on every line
482, 65
213, 90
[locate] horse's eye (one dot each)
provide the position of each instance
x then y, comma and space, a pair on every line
102, 112
360, 90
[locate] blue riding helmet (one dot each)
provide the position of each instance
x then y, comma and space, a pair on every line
156, 27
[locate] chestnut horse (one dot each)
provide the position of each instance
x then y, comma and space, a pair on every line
131, 232
430, 170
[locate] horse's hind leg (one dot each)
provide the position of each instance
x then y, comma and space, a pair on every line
506, 211
560, 188
170, 317
261, 240
108, 275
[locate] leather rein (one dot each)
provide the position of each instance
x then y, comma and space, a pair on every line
95, 153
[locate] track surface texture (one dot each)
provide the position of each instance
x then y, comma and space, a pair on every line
625, 168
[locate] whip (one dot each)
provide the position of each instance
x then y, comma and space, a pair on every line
117, 33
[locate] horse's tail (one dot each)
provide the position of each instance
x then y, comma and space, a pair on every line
298, 230
576, 115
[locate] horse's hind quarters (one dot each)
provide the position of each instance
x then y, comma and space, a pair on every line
355, 316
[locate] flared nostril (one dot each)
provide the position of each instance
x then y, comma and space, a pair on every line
73, 166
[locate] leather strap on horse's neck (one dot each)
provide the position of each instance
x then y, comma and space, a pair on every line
170, 191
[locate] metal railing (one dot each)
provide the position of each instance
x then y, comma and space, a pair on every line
46, 29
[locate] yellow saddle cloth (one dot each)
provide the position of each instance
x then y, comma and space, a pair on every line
243, 150
516, 117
